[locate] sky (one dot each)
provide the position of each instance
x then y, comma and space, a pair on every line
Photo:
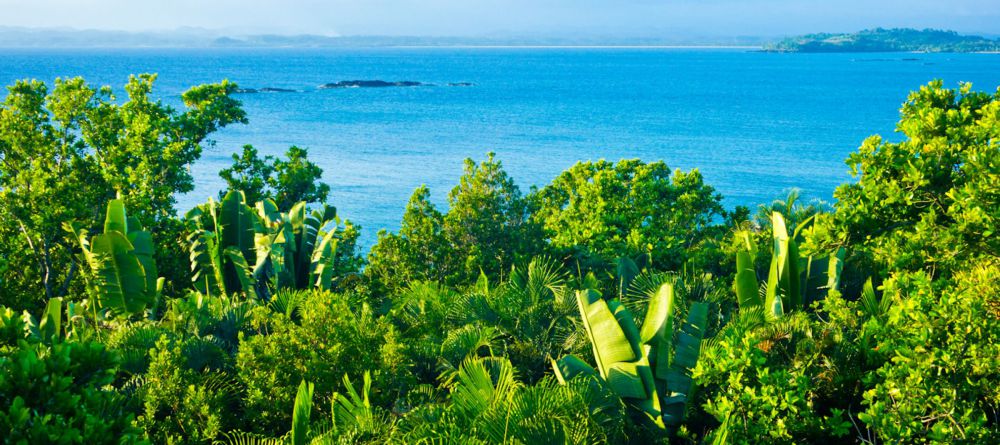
620, 18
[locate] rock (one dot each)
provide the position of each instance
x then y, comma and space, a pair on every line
264, 90
369, 84
461, 84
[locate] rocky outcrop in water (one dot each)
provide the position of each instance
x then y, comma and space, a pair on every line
264, 90
369, 84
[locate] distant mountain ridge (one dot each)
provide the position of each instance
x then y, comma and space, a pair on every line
15, 37
886, 40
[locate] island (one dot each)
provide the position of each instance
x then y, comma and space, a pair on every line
370, 84
886, 40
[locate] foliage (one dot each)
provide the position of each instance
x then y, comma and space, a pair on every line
55, 391
600, 211
941, 346
931, 201
886, 40
330, 340
648, 366
872, 321
486, 229
285, 182
68, 152
255, 252
122, 272
794, 280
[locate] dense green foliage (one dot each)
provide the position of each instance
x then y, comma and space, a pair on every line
285, 182
886, 40
618, 304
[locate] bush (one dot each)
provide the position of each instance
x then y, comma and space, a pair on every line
330, 340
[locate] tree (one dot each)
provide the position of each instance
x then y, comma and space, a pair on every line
417, 252
931, 201
65, 154
488, 222
605, 210
284, 181
487, 229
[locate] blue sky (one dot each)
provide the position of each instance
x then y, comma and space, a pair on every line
508, 17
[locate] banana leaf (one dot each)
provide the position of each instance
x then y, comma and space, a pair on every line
686, 358
300, 414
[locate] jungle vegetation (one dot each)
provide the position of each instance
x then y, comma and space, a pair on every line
620, 303
886, 40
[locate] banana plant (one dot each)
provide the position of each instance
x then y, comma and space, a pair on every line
122, 274
237, 248
793, 280
294, 251
220, 241
649, 367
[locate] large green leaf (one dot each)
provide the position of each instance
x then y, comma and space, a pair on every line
116, 221
686, 358
609, 341
569, 367
658, 332
50, 325
322, 266
142, 242
242, 271
239, 223
119, 277
301, 413
206, 262
747, 287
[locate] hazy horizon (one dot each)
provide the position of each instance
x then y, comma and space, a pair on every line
552, 18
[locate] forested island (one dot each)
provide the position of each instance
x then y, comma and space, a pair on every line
619, 303
886, 40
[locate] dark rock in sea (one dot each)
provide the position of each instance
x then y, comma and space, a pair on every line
461, 84
369, 84
264, 90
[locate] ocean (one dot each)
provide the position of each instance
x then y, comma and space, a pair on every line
755, 124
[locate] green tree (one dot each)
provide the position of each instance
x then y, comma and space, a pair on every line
286, 181
600, 211
65, 154
415, 253
487, 229
931, 201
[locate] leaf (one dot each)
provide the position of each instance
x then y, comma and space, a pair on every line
244, 274
119, 277
610, 344
569, 367
142, 242
479, 383
658, 326
238, 222
301, 413
115, 221
836, 267
746, 284
688, 350
321, 266
50, 325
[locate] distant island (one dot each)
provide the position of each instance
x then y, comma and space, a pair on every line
886, 40
21, 37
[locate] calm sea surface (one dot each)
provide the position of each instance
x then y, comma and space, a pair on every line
755, 124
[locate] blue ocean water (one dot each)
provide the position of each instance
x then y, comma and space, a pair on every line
755, 124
